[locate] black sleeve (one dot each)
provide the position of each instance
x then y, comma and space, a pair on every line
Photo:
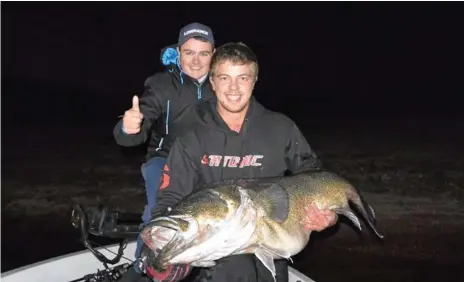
180, 177
298, 154
151, 106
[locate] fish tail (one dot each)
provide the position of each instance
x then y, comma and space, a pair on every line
366, 210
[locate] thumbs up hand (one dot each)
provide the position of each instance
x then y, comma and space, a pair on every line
132, 118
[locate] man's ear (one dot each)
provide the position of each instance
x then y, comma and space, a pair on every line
212, 82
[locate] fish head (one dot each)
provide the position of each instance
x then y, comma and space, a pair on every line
183, 234
162, 233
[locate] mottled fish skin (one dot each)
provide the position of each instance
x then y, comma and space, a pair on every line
327, 190
256, 216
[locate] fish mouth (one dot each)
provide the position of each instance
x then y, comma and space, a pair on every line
159, 232
169, 222
167, 242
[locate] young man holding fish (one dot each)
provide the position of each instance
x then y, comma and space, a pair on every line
235, 138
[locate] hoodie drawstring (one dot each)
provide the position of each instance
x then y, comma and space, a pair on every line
199, 92
168, 105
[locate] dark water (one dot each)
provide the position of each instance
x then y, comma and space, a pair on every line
430, 253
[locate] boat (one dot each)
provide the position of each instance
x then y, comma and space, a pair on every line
83, 266
94, 264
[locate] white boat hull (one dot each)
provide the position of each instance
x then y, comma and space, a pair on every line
75, 265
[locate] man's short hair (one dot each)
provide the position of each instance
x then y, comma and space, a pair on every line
236, 52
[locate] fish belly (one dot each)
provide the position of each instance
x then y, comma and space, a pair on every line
283, 241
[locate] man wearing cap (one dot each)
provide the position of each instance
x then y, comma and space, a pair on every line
164, 110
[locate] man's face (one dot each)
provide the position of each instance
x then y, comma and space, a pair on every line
195, 57
233, 85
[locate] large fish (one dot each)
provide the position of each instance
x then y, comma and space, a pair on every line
261, 217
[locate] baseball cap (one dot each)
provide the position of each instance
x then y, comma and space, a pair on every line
195, 29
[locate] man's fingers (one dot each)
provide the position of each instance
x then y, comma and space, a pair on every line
135, 103
136, 120
314, 209
332, 218
314, 214
311, 208
132, 127
327, 212
134, 114
312, 227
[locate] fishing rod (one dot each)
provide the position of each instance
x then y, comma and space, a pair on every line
106, 275
79, 219
103, 223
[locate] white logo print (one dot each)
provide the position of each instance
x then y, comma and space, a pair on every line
197, 31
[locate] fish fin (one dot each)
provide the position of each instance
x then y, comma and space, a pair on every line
242, 182
372, 211
267, 259
351, 216
366, 210
277, 254
313, 166
208, 263
275, 201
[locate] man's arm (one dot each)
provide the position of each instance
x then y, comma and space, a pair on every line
298, 154
151, 106
179, 178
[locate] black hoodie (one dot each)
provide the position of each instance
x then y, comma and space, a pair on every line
268, 145
167, 105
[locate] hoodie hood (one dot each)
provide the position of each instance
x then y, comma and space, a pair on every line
170, 59
169, 56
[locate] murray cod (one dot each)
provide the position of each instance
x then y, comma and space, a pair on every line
260, 216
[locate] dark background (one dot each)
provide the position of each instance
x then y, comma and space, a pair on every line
82, 62
375, 86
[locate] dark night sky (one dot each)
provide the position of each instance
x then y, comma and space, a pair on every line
386, 57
